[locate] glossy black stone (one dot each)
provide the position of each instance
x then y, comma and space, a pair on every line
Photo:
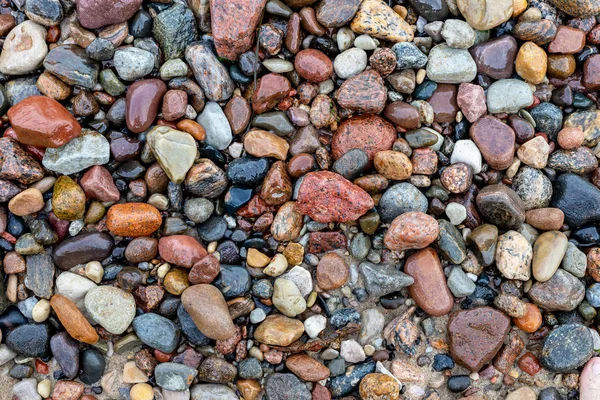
247, 171
236, 197
233, 281
140, 26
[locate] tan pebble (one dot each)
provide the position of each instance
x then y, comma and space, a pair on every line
212, 247
41, 311
141, 391
11, 288
256, 259
94, 271
27, 202
132, 374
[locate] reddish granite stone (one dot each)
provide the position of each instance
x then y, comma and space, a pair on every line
233, 24
364, 92
17, 164
328, 197
322, 242
370, 133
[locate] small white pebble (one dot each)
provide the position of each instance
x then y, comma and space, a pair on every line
212, 247
235, 149
162, 270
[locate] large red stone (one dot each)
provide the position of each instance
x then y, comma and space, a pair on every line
476, 336
328, 197
495, 140
364, 92
233, 24
93, 14
370, 133
181, 250
430, 290
43, 122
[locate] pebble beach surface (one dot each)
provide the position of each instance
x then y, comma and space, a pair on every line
299, 199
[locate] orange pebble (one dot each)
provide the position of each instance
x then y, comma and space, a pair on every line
570, 138
531, 321
193, 128
162, 357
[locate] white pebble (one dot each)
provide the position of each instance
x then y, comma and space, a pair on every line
366, 42
277, 65
314, 325
456, 212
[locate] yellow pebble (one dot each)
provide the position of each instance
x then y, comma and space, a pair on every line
256, 259
141, 391
532, 63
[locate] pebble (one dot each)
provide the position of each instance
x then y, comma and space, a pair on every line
429, 291
173, 376
399, 199
87, 150
340, 200
214, 121
458, 34
175, 151
142, 101
408, 56
497, 101
411, 230
133, 63
279, 330
548, 252
350, 63
566, 347
133, 219
460, 284
111, 307
211, 75
476, 336
461, 69
496, 57
213, 317
156, 331
589, 380
562, 292
71, 64
482, 15
24, 49
377, 19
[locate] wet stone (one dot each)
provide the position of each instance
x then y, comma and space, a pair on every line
566, 348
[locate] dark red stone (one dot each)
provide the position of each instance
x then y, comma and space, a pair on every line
142, 102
